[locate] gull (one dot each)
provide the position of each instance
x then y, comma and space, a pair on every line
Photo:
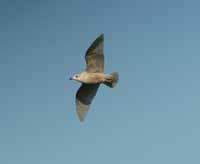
92, 77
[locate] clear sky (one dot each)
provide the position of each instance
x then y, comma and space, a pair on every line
151, 117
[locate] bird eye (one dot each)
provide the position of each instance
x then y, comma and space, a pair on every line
76, 76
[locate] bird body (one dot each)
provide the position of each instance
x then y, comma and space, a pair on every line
92, 77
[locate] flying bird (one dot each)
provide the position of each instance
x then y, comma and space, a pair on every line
92, 77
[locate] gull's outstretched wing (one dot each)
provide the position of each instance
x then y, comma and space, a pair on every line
94, 56
84, 97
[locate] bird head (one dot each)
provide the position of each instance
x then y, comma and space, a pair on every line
75, 77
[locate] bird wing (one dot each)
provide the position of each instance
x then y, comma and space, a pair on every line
84, 97
94, 56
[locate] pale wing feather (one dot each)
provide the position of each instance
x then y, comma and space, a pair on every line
81, 110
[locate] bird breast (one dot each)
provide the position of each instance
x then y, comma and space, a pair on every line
92, 78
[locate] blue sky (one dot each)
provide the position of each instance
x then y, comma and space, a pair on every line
152, 116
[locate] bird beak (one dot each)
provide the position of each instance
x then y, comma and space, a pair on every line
70, 78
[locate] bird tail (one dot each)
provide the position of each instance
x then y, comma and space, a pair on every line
111, 79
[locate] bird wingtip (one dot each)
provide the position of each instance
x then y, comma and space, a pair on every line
101, 36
